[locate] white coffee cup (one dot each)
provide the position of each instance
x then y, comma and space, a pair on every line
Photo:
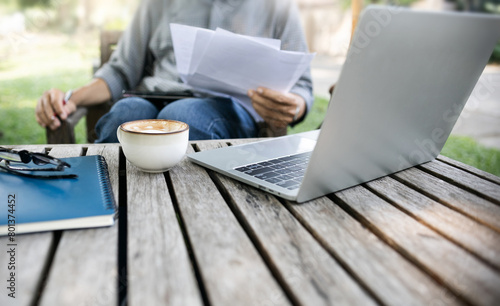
154, 145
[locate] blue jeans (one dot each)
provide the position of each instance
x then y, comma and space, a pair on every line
208, 118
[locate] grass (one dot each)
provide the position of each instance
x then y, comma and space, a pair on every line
468, 151
313, 119
18, 100
36, 64
29, 68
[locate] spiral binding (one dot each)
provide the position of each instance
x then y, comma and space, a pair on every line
105, 183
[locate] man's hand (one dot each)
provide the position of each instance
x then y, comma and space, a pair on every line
276, 108
51, 108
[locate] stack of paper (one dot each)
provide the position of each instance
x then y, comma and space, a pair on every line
227, 64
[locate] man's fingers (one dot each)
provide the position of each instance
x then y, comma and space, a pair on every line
55, 124
260, 100
45, 112
275, 96
39, 115
275, 113
56, 99
274, 101
276, 108
50, 109
271, 116
265, 108
69, 108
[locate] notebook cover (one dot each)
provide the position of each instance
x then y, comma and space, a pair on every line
33, 205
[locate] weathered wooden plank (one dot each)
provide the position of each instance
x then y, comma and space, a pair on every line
231, 269
66, 151
32, 252
480, 173
471, 182
310, 274
467, 203
159, 269
373, 262
475, 237
84, 270
463, 273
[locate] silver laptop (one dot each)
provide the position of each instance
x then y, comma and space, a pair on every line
405, 81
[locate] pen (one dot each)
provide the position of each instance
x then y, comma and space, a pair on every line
67, 96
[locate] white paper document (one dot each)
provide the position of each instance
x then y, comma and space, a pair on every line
227, 64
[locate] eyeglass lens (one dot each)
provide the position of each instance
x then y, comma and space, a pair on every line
10, 156
37, 158
25, 156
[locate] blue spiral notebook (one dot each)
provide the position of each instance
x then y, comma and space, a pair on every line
36, 205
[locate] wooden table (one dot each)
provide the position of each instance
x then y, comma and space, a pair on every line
429, 235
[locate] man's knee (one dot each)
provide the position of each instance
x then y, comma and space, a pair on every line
134, 106
199, 114
183, 110
124, 110
211, 118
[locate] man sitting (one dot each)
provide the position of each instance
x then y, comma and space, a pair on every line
144, 61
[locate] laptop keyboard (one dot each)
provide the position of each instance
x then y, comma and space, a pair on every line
286, 171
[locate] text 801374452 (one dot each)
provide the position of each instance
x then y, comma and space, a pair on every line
11, 246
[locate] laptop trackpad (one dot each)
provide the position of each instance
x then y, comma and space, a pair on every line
281, 146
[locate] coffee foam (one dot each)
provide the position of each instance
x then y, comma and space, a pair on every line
154, 126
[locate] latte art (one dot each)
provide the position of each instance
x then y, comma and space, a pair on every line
154, 126
151, 131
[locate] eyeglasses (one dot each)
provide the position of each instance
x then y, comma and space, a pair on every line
43, 162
